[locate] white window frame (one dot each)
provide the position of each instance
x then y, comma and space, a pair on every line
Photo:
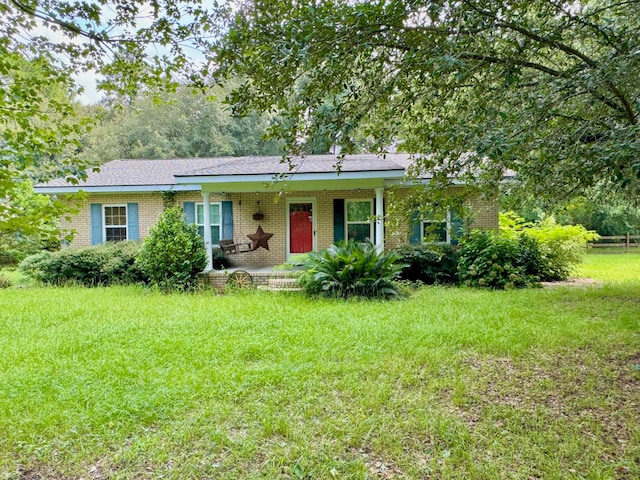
219, 225
104, 220
447, 220
346, 216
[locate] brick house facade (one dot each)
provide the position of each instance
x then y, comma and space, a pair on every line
239, 188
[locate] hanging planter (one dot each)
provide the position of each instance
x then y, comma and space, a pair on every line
258, 215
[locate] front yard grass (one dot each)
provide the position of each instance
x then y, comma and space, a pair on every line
612, 266
123, 382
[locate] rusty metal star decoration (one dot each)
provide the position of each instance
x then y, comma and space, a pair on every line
260, 238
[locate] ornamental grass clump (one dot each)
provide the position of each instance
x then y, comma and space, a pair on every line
352, 269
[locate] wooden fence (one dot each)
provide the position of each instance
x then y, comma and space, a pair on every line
618, 241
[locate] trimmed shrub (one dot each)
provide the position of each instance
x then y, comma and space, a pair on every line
112, 263
351, 269
173, 254
39, 267
429, 264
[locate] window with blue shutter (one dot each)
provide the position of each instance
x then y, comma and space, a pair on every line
457, 227
358, 215
227, 220
96, 223
133, 230
215, 220
189, 209
338, 220
415, 229
115, 224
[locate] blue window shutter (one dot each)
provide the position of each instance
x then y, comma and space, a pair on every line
227, 221
338, 219
456, 227
415, 236
133, 231
189, 211
96, 223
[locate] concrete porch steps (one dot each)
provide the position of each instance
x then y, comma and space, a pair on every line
281, 284
262, 278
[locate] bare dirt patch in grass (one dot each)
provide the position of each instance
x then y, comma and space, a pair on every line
39, 472
378, 466
573, 282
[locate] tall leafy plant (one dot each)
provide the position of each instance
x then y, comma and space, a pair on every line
351, 269
491, 260
561, 246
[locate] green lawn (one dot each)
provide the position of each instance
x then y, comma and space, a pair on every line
450, 383
611, 267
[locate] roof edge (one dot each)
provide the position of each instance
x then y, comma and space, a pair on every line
116, 189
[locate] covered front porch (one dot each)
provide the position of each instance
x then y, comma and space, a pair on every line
297, 213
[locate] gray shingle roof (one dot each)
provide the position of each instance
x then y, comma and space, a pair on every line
308, 164
138, 172
164, 172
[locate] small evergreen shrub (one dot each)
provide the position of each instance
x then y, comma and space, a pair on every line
112, 263
490, 260
429, 264
173, 254
351, 269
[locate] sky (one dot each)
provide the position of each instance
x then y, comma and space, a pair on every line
89, 80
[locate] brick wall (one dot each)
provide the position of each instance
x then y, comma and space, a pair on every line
274, 209
149, 209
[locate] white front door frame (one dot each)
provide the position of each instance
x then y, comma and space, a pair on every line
314, 215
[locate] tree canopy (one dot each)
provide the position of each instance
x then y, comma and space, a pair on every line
132, 46
544, 88
180, 124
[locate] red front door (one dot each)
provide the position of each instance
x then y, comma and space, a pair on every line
300, 227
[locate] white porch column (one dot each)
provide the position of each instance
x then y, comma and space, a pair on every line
206, 210
379, 220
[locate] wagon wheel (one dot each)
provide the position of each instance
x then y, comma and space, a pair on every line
240, 279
